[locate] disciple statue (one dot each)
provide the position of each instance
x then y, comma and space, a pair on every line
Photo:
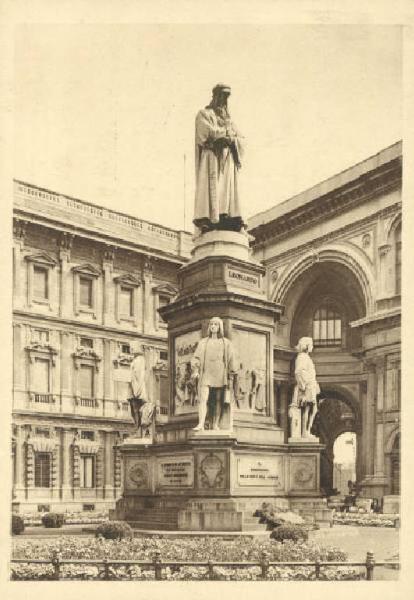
214, 367
304, 407
218, 152
141, 409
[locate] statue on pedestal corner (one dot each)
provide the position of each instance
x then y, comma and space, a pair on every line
214, 368
218, 152
303, 408
142, 409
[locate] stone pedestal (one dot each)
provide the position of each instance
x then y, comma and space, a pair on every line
215, 480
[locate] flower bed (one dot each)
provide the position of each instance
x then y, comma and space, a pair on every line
364, 520
189, 549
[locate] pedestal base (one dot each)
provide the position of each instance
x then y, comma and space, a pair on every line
210, 483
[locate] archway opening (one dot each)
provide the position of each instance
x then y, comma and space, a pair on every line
338, 426
344, 461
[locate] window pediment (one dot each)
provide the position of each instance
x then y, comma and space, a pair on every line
164, 289
86, 355
86, 269
41, 258
41, 350
129, 280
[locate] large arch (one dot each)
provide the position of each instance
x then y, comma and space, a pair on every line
349, 256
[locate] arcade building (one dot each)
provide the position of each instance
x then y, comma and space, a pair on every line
88, 282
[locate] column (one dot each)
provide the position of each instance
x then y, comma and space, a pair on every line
20, 463
19, 233
66, 370
146, 295
18, 364
107, 285
379, 445
368, 419
66, 439
66, 295
107, 369
109, 466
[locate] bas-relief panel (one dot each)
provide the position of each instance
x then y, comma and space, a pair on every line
185, 393
303, 473
137, 475
211, 472
251, 347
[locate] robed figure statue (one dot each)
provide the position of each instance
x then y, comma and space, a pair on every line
218, 153
142, 409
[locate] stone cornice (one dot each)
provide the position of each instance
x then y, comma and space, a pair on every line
77, 326
369, 185
378, 318
337, 234
229, 298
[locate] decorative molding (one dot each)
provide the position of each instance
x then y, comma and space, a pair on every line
109, 253
65, 240
19, 229
165, 289
211, 471
384, 249
123, 360
128, 279
86, 355
39, 350
41, 258
87, 269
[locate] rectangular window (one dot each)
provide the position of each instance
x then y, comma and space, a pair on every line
42, 469
126, 302
163, 301
85, 292
125, 348
40, 283
86, 381
41, 376
86, 342
87, 435
87, 471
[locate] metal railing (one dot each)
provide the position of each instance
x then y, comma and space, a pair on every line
157, 565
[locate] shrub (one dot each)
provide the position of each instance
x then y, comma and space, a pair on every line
53, 520
114, 530
295, 533
17, 525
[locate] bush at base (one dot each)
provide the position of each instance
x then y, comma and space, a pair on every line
114, 530
17, 525
295, 533
53, 520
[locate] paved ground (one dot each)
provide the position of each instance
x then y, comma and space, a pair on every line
357, 541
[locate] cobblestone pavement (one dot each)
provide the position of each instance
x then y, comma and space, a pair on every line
357, 541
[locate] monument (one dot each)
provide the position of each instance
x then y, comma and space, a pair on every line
222, 451
303, 409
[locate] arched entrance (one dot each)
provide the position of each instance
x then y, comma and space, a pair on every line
338, 414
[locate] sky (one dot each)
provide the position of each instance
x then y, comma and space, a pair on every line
105, 113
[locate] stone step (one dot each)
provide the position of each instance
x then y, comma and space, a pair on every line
159, 526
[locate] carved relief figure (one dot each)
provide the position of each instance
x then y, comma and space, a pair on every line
306, 391
142, 409
214, 368
218, 153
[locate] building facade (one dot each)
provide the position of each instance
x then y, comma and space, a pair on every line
333, 258
88, 282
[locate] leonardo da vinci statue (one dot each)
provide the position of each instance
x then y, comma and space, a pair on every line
218, 153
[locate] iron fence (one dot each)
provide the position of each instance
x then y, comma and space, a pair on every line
157, 565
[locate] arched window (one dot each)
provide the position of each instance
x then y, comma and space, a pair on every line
327, 326
398, 260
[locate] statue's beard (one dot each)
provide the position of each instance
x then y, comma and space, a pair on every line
222, 112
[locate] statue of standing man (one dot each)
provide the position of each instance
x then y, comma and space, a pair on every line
214, 366
304, 406
142, 409
218, 152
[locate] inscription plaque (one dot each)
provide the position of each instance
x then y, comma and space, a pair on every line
243, 279
265, 472
178, 472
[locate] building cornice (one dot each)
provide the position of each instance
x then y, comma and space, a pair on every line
379, 181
